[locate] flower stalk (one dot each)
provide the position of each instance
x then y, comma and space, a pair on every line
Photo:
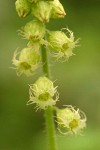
50, 127
46, 69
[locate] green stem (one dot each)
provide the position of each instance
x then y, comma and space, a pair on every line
45, 62
49, 111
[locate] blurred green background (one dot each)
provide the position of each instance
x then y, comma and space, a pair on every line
21, 128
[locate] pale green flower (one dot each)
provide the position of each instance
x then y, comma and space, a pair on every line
42, 93
33, 31
23, 8
70, 121
27, 62
61, 45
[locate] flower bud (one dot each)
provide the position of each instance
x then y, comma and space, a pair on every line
70, 121
42, 10
61, 44
42, 93
28, 61
57, 10
22, 7
33, 31
47, 0
31, 1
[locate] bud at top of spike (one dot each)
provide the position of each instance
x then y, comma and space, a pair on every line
42, 93
22, 7
57, 9
28, 61
33, 31
70, 121
42, 10
61, 44
31, 1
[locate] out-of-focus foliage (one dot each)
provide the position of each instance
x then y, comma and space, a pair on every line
21, 128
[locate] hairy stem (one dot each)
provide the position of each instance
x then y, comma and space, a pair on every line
50, 128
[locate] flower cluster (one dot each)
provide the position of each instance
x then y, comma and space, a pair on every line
41, 9
61, 45
58, 43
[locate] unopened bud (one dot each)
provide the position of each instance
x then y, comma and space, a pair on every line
57, 9
31, 1
42, 10
34, 1
22, 7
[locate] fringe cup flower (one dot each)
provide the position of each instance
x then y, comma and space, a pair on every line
33, 31
70, 121
42, 10
42, 93
29, 59
22, 7
57, 9
61, 45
